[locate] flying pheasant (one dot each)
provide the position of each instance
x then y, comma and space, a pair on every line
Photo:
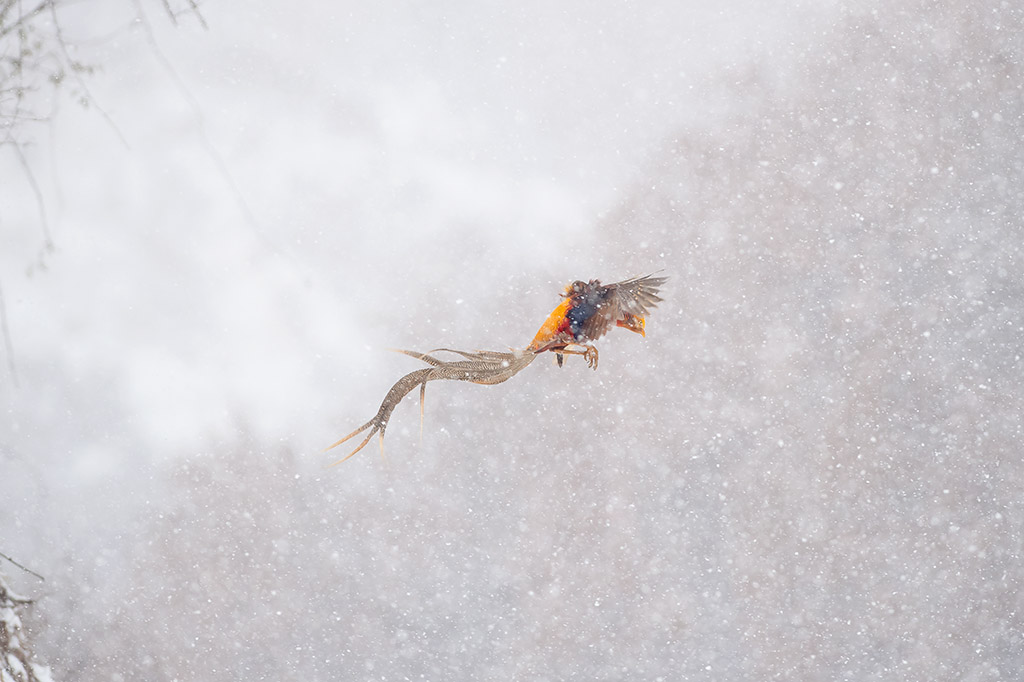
588, 310
585, 314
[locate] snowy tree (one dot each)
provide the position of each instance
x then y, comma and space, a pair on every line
38, 65
16, 660
37, 57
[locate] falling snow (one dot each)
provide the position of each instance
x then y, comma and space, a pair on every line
809, 469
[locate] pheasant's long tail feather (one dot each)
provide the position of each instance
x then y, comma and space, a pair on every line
351, 435
379, 423
483, 356
361, 445
423, 399
481, 367
425, 357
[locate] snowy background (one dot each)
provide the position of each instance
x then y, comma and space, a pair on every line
810, 468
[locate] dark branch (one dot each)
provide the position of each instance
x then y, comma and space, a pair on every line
27, 570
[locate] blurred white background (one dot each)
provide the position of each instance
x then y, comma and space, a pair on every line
808, 470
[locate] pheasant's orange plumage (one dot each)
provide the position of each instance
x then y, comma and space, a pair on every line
588, 310
585, 314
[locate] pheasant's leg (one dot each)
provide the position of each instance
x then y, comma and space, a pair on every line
588, 352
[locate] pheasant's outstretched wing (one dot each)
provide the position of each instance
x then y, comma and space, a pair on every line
618, 302
637, 296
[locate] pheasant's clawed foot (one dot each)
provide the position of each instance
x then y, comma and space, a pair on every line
590, 355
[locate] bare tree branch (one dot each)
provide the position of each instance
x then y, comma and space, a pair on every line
75, 70
204, 138
23, 19
27, 570
37, 191
5, 331
193, 8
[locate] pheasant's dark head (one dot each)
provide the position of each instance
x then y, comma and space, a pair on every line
574, 289
579, 287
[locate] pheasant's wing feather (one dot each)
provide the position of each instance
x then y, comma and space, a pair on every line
603, 317
636, 296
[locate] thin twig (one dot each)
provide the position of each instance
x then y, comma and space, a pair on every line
204, 138
81, 83
5, 330
36, 190
193, 6
23, 19
27, 570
